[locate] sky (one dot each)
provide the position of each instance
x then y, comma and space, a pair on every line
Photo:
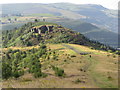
111, 4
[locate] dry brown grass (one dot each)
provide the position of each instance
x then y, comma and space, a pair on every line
20, 48
97, 73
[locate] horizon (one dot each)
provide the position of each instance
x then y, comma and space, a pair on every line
111, 4
56, 3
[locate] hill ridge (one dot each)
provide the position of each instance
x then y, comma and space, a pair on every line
34, 33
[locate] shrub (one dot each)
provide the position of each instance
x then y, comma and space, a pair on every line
55, 57
26, 80
39, 74
78, 81
114, 56
110, 78
16, 74
65, 60
58, 72
29, 43
42, 46
10, 51
90, 56
73, 56
6, 70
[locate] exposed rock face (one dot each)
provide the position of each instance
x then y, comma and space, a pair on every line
42, 29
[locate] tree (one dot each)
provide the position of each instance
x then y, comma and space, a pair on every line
36, 20
15, 19
6, 70
29, 43
9, 20
44, 20
35, 66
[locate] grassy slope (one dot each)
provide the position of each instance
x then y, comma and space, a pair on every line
98, 68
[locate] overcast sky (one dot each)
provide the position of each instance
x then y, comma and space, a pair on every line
111, 4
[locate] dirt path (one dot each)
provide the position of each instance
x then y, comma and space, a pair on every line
89, 62
76, 50
89, 65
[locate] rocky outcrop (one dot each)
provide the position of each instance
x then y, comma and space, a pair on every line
42, 29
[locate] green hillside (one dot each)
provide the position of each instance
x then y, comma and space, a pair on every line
23, 36
49, 46
48, 55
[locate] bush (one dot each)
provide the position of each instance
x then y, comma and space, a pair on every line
16, 74
42, 46
55, 57
39, 74
10, 51
78, 81
114, 56
58, 72
65, 60
73, 56
110, 78
6, 70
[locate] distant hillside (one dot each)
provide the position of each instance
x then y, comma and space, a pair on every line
92, 13
103, 27
35, 33
96, 14
91, 31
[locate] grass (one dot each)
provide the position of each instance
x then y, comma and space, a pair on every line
96, 68
26, 80
77, 81
87, 49
101, 80
64, 49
